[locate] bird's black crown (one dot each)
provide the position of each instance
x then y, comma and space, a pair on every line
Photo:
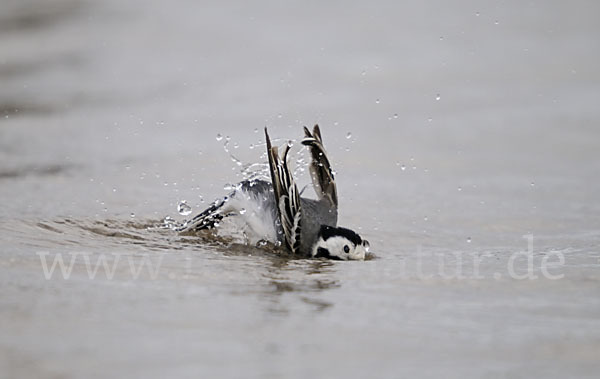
329, 231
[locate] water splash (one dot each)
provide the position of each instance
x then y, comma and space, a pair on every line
183, 208
168, 223
260, 170
249, 171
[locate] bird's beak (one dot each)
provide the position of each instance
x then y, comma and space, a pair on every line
359, 254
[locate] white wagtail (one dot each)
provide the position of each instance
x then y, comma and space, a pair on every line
275, 212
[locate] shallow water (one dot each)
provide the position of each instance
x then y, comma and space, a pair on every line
473, 150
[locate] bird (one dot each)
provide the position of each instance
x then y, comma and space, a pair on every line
275, 212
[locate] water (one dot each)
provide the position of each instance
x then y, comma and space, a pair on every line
106, 105
183, 208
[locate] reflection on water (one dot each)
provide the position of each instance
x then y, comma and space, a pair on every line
286, 276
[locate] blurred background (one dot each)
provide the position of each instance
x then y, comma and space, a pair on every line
452, 126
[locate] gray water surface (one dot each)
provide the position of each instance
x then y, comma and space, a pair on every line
465, 137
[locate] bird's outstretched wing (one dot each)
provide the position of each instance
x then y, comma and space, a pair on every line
286, 195
320, 169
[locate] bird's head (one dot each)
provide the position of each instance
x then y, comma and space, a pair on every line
339, 244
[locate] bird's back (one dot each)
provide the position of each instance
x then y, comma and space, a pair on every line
315, 213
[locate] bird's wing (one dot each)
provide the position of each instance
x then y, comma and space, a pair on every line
320, 169
286, 195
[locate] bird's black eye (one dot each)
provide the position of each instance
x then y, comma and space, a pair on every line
346, 249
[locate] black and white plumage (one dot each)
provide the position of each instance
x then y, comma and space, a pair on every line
277, 213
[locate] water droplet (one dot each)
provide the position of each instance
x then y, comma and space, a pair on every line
425, 218
459, 189
438, 97
251, 146
532, 184
168, 222
496, 22
255, 130
441, 38
403, 167
468, 239
236, 145
242, 211
219, 137
477, 14
430, 119
395, 115
290, 143
132, 215
376, 101
348, 135
363, 73
183, 208
279, 115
